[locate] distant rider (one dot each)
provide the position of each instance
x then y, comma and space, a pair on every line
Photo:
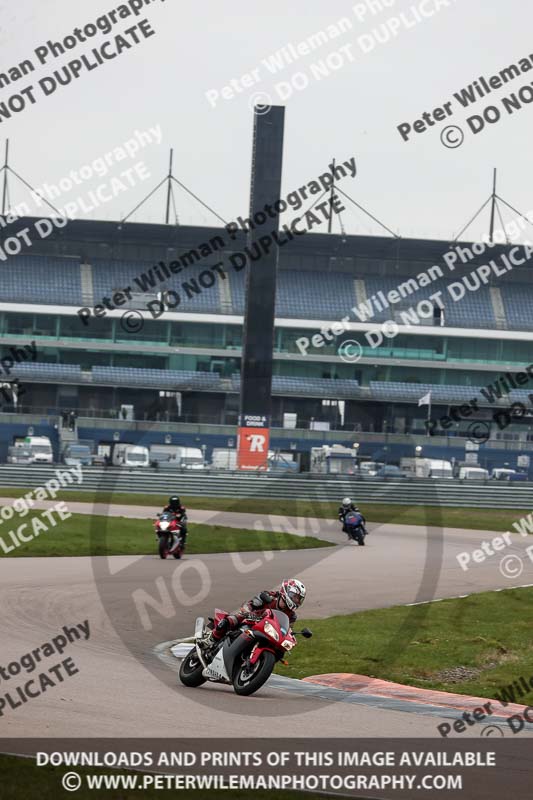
286, 597
345, 508
174, 507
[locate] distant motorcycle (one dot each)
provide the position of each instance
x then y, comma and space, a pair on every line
245, 657
169, 532
354, 526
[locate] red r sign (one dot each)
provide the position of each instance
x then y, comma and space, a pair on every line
253, 448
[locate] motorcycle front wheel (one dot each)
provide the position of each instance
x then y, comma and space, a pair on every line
248, 679
191, 670
163, 552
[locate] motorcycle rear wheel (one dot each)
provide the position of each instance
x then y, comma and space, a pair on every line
191, 671
246, 683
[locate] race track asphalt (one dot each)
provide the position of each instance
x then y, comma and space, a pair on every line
135, 603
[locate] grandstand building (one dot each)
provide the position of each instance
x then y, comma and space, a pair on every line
179, 367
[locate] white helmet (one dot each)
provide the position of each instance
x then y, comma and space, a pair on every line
292, 592
346, 502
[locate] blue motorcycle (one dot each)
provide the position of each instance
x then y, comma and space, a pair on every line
354, 526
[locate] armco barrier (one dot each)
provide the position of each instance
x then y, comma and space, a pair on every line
491, 494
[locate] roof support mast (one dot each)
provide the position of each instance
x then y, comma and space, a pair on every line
169, 191
493, 199
331, 196
493, 206
4, 194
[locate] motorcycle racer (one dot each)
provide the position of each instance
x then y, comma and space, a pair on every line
347, 506
174, 507
286, 597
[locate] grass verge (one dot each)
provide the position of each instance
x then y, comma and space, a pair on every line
496, 519
22, 779
475, 645
84, 535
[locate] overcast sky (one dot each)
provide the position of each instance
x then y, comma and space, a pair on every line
418, 188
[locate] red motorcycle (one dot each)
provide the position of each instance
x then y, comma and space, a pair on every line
169, 532
245, 657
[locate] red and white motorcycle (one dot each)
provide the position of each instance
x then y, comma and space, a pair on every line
169, 531
245, 657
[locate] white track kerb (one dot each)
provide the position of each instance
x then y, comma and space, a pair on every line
26, 531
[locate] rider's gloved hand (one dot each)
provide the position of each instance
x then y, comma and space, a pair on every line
266, 597
257, 602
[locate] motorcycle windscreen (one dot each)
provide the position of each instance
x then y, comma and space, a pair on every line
353, 519
283, 621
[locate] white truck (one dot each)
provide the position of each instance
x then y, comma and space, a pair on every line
334, 459
185, 458
473, 474
76, 453
438, 468
427, 468
40, 447
130, 455
224, 458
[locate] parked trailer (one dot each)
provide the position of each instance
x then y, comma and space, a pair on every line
40, 446
130, 455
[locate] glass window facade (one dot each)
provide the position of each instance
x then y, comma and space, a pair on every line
463, 354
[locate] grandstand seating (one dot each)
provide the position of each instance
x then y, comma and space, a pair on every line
520, 396
395, 390
473, 311
517, 304
173, 380
311, 387
300, 294
41, 279
42, 371
110, 275
189, 380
